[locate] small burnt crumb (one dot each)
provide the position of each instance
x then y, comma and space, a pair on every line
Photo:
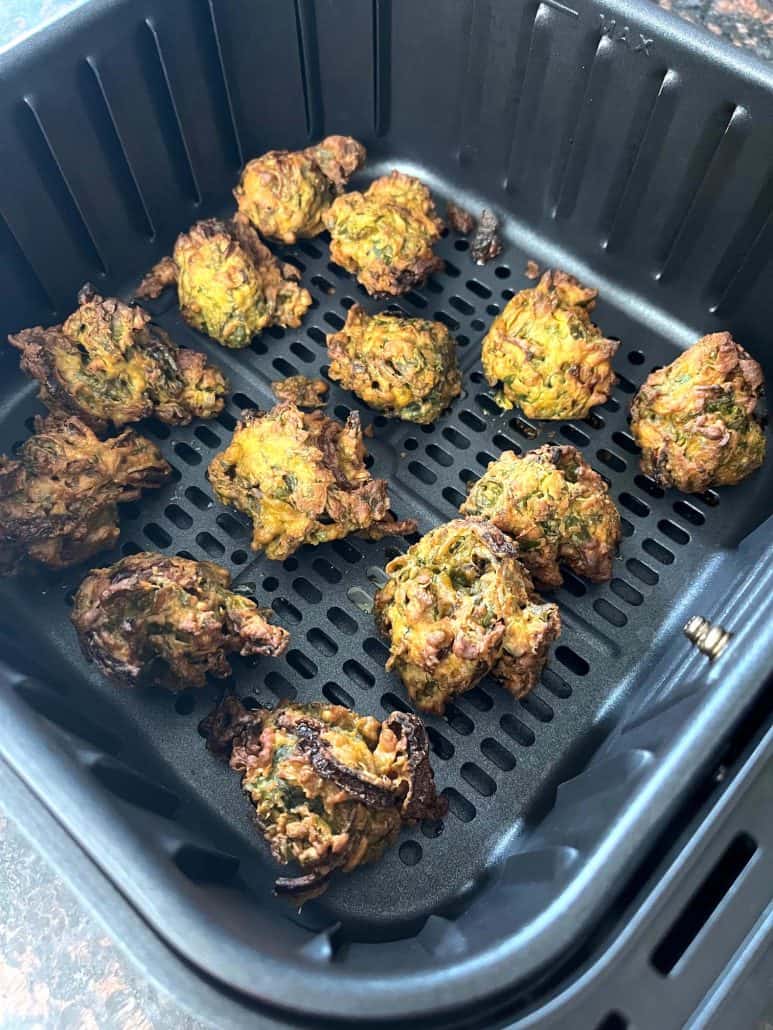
458, 219
532, 270
486, 243
368, 431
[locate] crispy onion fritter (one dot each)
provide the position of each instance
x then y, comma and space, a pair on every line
404, 367
385, 235
331, 788
153, 620
301, 477
229, 284
58, 498
696, 419
107, 363
556, 509
545, 354
285, 193
459, 605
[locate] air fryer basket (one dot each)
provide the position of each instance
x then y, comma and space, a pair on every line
617, 145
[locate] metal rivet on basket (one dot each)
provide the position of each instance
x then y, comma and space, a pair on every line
711, 640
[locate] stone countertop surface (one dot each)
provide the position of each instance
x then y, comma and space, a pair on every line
58, 968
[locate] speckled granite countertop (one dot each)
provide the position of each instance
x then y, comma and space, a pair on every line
58, 968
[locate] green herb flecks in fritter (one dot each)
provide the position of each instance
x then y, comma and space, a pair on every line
301, 477
229, 284
107, 363
545, 355
331, 788
555, 508
404, 367
59, 496
696, 419
459, 605
153, 620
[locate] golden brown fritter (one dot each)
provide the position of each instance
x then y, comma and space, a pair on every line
695, 420
152, 620
107, 363
285, 193
384, 236
301, 391
555, 508
229, 284
331, 788
58, 498
550, 359
301, 478
459, 605
404, 367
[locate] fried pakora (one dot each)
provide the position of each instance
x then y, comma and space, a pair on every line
229, 284
285, 193
301, 391
696, 419
301, 477
459, 605
551, 360
384, 236
555, 508
331, 788
58, 498
404, 367
152, 620
107, 363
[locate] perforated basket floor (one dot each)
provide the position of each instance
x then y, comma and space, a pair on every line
497, 760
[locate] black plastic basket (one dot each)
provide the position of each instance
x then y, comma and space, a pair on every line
618, 144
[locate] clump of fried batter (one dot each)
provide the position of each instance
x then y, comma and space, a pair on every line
550, 359
152, 620
285, 193
107, 363
459, 605
58, 499
301, 477
331, 788
385, 235
555, 508
695, 420
301, 391
229, 284
405, 367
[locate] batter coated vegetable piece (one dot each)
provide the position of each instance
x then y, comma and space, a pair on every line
331, 788
556, 509
551, 360
107, 363
58, 498
285, 193
301, 391
405, 367
152, 620
229, 284
384, 236
459, 605
695, 420
301, 478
